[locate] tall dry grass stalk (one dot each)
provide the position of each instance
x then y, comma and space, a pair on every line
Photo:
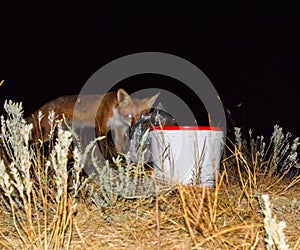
275, 237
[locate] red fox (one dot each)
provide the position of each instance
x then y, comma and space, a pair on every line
115, 111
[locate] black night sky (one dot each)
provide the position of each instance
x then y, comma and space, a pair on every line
252, 60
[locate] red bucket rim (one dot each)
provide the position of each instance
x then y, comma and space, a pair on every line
211, 128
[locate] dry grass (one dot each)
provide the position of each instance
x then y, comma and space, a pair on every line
187, 218
230, 216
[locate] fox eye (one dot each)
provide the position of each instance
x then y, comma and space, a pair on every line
130, 116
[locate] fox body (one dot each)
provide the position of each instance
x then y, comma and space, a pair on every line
115, 111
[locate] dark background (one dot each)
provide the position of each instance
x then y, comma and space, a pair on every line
252, 60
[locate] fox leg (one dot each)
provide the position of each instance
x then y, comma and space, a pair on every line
120, 136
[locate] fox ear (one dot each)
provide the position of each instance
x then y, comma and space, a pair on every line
152, 100
123, 97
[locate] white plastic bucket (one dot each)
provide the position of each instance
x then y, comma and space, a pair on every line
187, 153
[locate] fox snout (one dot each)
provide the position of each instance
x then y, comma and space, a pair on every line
131, 118
138, 116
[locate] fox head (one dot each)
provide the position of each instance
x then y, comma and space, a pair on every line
131, 109
126, 112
